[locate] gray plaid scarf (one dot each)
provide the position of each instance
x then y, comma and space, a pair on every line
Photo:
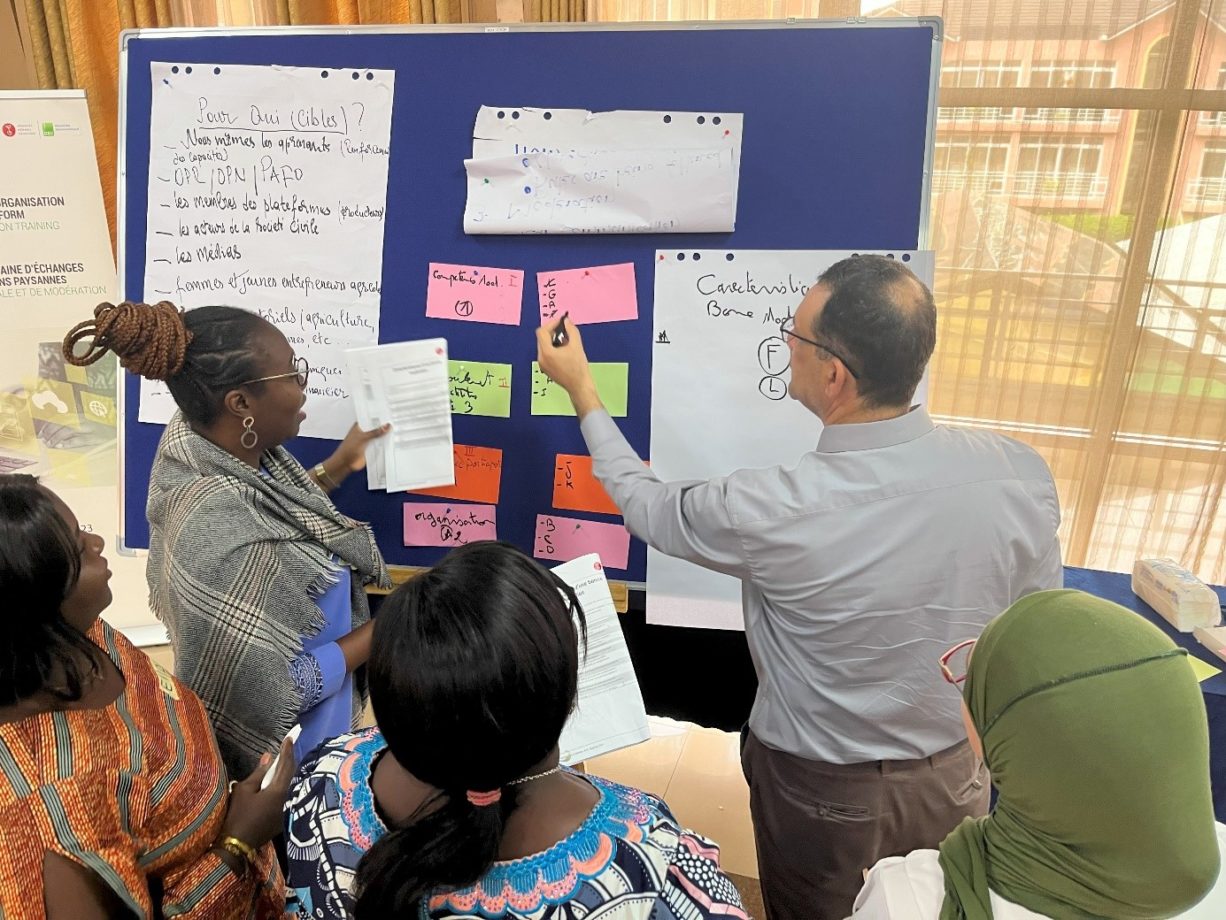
237, 561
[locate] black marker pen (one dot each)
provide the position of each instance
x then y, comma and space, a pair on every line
559, 336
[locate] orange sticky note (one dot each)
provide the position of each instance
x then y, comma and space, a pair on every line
478, 475
576, 489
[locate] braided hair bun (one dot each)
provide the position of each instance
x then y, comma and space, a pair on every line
150, 340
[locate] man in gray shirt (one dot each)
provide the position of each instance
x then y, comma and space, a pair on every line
861, 563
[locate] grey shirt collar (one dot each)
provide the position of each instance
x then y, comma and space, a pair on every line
871, 435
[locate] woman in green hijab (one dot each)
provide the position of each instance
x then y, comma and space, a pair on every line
1093, 726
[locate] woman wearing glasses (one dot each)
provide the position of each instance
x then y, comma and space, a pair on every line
257, 576
1093, 726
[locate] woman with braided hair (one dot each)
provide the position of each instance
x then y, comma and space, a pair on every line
257, 576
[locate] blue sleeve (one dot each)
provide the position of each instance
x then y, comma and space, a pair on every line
318, 674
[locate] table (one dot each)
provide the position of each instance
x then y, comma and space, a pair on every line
1116, 587
706, 676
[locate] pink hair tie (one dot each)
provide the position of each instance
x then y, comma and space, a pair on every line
482, 799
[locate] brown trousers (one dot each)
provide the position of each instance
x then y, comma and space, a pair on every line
818, 826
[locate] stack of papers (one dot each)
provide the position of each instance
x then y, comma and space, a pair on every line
404, 383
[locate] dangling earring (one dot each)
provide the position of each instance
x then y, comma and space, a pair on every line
248, 432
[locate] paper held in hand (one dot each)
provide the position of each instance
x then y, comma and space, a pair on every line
404, 383
609, 714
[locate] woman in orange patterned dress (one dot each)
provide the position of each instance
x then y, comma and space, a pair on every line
113, 798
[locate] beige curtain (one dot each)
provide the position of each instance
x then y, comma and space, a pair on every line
364, 12
1079, 188
555, 10
75, 45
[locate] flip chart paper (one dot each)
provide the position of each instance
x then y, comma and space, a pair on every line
636, 191
712, 312
448, 523
404, 383
507, 131
609, 712
474, 293
611, 381
478, 475
576, 489
267, 191
599, 294
565, 538
480, 388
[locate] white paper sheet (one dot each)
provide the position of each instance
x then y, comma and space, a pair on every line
712, 312
575, 171
267, 191
610, 714
536, 130
404, 383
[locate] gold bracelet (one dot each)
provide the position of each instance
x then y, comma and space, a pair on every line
240, 849
239, 866
322, 475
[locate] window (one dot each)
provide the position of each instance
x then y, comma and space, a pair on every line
1208, 189
1060, 168
969, 161
1216, 119
980, 74
1070, 75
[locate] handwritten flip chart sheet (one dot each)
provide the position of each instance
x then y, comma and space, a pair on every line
600, 294
609, 712
475, 293
448, 523
478, 475
611, 384
480, 388
405, 384
722, 309
574, 171
564, 538
267, 191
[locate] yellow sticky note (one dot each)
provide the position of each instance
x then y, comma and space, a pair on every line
1201, 669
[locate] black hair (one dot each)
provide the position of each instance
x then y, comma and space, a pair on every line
473, 673
221, 355
884, 319
40, 562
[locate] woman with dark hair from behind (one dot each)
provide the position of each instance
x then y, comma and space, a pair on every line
257, 576
456, 806
114, 800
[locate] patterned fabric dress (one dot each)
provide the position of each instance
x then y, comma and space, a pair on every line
628, 861
135, 791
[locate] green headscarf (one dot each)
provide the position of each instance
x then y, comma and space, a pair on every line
1094, 729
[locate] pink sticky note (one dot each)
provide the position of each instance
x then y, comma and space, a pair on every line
475, 294
601, 294
448, 523
565, 538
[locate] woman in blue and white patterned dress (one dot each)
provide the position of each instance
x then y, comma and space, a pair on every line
456, 806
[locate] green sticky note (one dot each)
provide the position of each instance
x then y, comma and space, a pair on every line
1201, 669
478, 388
550, 399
